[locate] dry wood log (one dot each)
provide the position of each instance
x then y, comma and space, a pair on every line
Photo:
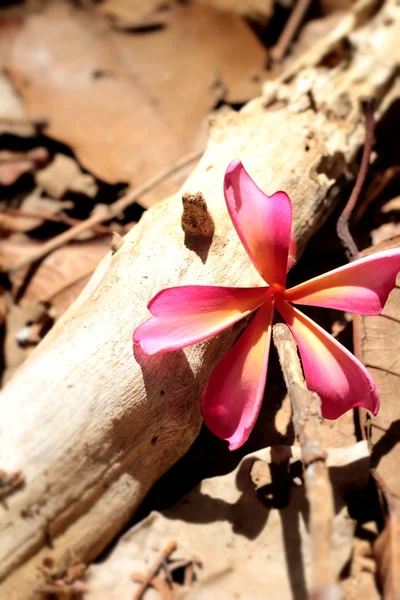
90, 426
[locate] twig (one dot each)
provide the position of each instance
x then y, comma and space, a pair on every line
289, 31
307, 425
158, 583
29, 214
39, 155
342, 226
171, 547
115, 209
24, 121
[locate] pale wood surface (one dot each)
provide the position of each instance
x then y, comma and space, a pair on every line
90, 426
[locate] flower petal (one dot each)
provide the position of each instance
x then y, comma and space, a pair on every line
361, 286
189, 314
329, 368
262, 222
233, 394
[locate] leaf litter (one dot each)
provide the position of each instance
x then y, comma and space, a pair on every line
107, 83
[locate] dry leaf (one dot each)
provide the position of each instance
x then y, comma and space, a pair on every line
129, 105
385, 232
131, 14
61, 276
32, 213
379, 347
13, 118
63, 175
34, 210
66, 67
387, 553
257, 10
14, 164
392, 205
378, 342
329, 6
203, 56
247, 548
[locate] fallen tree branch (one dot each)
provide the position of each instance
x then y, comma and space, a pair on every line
89, 426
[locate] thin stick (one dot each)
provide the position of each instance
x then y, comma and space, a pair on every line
342, 226
171, 547
292, 24
54, 218
118, 207
306, 407
24, 121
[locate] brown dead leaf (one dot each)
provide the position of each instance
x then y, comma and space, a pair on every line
14, 164
387, 553
257, 10
330, 6
248, 549
129, 104
204, 55
379, 348
13, 118
63, 175
33, 211
378, 342
126, 14
66, 67
61, 276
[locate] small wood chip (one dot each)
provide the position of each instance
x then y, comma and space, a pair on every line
196, 220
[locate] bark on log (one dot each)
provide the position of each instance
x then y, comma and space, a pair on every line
90, 426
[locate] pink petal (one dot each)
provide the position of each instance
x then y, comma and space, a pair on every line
233, 394
262, 222
189, 314
361, 286
329, 368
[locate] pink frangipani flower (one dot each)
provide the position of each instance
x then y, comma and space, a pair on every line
189, 314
